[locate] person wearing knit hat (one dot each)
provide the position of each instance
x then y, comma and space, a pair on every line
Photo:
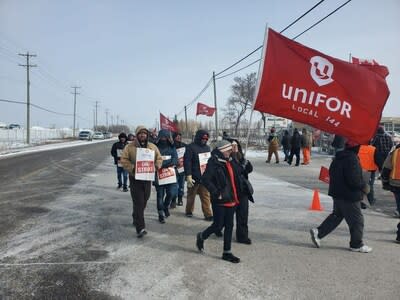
273, 146
116, 152
140, 189
221, 178
180, 176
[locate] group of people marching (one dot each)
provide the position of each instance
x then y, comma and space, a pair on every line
291, 146
352, 175
218, 176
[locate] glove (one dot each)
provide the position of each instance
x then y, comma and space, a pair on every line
190, 181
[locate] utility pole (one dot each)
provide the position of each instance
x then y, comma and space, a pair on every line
95, 122
216, 109
75, 93
28, 100
107, 119
117, 120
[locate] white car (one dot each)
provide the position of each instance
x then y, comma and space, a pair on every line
98, 135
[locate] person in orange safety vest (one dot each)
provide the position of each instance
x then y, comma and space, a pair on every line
367, 156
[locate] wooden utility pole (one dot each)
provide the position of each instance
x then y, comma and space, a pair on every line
28, 100
75, 93
216, 109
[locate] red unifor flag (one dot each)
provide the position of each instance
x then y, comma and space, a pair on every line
302, 84
203, 109
372, 65
167, 124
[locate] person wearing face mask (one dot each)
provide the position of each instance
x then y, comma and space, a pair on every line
346, 187
140, 189
222, 180
195, 161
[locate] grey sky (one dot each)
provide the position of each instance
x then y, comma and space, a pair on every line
139, 58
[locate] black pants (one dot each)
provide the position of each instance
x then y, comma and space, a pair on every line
293, 152
351, 212
140, 193
242, 218
223, 217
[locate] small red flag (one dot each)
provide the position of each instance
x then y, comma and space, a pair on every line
167, 124
310, 87
324, 174
203, 109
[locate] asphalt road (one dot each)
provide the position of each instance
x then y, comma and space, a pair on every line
66, 233
31, 180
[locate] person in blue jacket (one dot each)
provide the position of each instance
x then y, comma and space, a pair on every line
166, 192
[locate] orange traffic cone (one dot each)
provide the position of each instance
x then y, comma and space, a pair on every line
316, 204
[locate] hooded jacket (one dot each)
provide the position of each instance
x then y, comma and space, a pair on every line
128, 157
167, 149
118, 146
391, 171
191, 157
346, 181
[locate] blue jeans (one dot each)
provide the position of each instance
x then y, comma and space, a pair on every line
121, 173
165, 194
181, 184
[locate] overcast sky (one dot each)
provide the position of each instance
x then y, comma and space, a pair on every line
139, 58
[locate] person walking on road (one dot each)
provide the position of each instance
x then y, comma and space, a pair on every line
273, 146
140, 189
242, 209
195, 162
221, 178
367, 156
181, 149
166, 191
285, 142
306, 144
391, 179
383, 143
116, 152
295, 145
346, 187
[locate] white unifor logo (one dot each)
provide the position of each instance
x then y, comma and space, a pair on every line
321, 70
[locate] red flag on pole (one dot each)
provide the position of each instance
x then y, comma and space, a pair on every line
167, 124
372, 65
310, 87
203, 109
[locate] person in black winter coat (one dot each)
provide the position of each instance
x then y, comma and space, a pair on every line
295, 145
383, 143
116, 151
346, 187
242, 210
180, 147
222, 180
285, 142
195, 162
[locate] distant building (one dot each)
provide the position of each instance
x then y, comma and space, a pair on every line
391, 124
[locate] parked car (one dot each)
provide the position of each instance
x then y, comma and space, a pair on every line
86, 135
98, 135
14, 126
107, 135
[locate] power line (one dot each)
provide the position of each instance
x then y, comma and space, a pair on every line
316, 23
12, 101
258, 48
331, 13
256, 61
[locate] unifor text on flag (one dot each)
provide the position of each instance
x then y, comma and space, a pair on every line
330, 94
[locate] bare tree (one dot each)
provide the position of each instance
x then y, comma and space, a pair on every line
242, 98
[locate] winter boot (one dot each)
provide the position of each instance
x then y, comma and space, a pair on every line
173, 203
230, 257
180, 202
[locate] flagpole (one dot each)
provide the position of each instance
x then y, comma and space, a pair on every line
260, 69
215, 104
